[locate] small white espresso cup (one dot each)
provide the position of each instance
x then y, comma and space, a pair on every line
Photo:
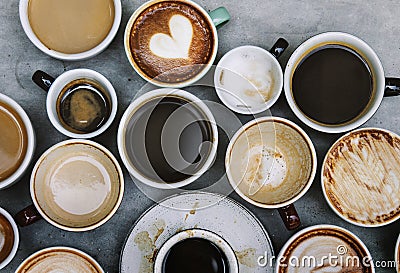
249, 79
224, 247
15, 231
126, 125
31, 138
381, 86
23, 15
55, 86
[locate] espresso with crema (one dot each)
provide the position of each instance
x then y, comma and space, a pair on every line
71, 26
168, 38
13, 141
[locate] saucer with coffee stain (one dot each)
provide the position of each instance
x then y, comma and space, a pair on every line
222, 216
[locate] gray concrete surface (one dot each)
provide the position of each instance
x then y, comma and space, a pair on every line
253, 22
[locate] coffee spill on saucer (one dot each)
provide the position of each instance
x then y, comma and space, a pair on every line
147, 246
247, 257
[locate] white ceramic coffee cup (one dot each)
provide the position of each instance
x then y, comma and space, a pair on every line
197, 233
285, 208
49, 252
282, 264
55, 86
365, 51
16, 238
214, 21
158, 94
23, 15
58, 210
30, 147
235, 99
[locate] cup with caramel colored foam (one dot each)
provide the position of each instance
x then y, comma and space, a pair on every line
271, 162
70, 30
17, 141
173, 43
59, 259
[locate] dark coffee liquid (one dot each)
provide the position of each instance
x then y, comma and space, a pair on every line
195, 255
332, 85
83, 106
168, 139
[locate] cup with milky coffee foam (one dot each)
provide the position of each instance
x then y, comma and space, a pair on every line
76, 185
9, 238
17, 141
173, 43
324, 248
70, 30
59, 259
271, 163
360, 177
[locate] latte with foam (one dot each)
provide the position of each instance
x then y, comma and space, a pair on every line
360, 177
308, 251
168, 38
77, 185
59, 260
270, 162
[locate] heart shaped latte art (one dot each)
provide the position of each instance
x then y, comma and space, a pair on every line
178, 44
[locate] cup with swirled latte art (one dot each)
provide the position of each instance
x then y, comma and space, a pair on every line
324, 248
172, 43
60, 260
360, 177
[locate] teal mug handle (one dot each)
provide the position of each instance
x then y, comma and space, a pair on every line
220, 16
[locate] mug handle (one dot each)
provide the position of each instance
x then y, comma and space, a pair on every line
279, 47
220, 16
290, 217
392, 87
43, 80
27, 216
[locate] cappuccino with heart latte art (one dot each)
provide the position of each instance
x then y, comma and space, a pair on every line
171, 41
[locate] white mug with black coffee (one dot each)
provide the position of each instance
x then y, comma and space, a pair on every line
334, 82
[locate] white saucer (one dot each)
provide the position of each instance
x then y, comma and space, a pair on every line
223, 216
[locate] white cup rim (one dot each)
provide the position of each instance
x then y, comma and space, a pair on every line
397, 254
277, 91
317, 227
85, 142
31, 137
23, 15
11, 256
313, 158
61, 248
323, 184
333, 37
135, 105
59, 84
155, 82
217, 240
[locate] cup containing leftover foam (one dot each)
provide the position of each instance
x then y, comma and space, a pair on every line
249, 79
76, 185
70, 30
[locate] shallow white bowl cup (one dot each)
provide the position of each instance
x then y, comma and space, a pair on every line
54, 87
23, 16
16, 238
137, 104
365, 51
31, 143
